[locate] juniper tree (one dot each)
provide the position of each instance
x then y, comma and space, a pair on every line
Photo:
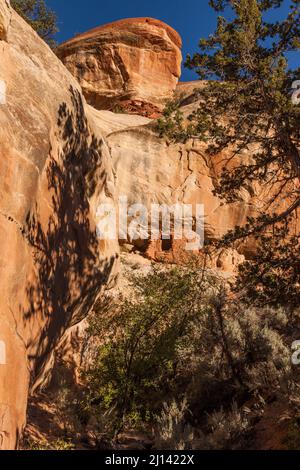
41, 18
250, 106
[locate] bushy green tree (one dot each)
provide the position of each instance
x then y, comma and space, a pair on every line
41, 18
246, 108
135, 365
273, 275
177, 336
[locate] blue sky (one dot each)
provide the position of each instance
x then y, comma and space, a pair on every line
193, 19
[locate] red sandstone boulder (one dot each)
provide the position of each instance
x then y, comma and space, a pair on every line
132, 64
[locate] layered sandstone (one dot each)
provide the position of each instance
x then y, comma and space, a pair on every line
55, 169
132, 64
150, 169
60, 158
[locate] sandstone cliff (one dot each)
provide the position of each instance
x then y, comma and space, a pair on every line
133, 64
54, 170
150, 169
60, 158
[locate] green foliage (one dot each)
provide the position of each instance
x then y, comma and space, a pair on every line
118, 109
59, 444
246, 109
273, 276
252, 95
232, 348
136, 364
41, 18
179, 335
293, 437
172, 123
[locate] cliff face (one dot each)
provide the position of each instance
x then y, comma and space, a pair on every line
133, 64
150, 170
55, 169
60, 158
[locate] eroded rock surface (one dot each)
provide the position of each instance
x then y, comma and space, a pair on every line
5, 16
150, 169
60, 158
55, 169
133, 64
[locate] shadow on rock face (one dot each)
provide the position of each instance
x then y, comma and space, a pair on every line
70, 271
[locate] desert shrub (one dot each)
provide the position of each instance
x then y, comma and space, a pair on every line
58, 444
225, 430
222, 429
232, 352
118, 109
293, 436
65, 400
174, 432
292, 415
180, 338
